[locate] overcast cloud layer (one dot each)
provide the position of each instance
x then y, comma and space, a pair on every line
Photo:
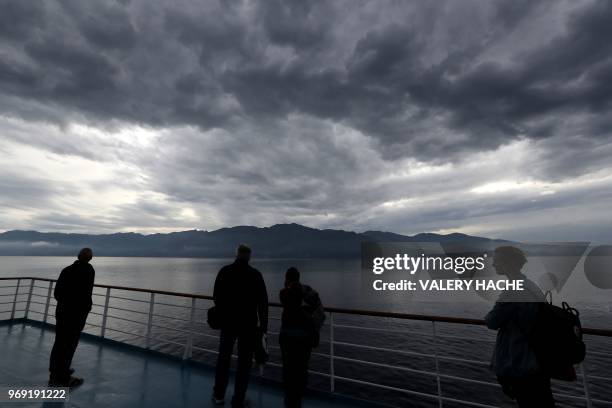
485, 117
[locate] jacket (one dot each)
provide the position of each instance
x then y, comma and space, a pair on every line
74, 288
241, 298
514, 316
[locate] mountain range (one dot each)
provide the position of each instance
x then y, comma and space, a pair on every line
277, 241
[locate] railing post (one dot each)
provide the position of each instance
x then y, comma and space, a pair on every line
27, 310
150, 323
48, 301
585, 383
332, 380
439, 383
105, 313
15, 299
189, 346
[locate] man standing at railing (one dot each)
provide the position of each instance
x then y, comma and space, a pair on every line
241, 301
73, 294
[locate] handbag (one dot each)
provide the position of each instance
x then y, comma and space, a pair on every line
213, 318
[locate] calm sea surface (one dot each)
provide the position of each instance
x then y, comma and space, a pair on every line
339, 284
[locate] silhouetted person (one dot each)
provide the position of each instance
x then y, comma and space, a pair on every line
241, 301
298, 335
73, 294
514, 316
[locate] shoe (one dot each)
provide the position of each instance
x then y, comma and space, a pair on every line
245, 404
218, 401
54, 382
75, 382
70, 383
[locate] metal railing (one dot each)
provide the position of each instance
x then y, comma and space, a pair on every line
24, 296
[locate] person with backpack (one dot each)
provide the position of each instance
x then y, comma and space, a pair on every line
241, 313
515, 316
302, 318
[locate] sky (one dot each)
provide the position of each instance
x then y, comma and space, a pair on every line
482, 117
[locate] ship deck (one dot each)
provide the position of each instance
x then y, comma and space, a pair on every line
117, 375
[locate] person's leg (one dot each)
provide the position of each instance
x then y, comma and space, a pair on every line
246, 347
286, 353
304, 354
534, 391
226, 346
59, 361
73, 336
292, 371
542, 392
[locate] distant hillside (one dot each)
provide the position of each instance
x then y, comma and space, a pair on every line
277, 241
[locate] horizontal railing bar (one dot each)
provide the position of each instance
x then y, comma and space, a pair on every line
39, 295
338, 310
578, 397
124, 332
411, 353
212, 336
129, 299
172, 329
170, 342
170, 317
128, 310
411, 392
597, 332
157, 292
448, 336
596, 377
600, 353
174, 305
125, 319
413, 370
205, 349
372, 363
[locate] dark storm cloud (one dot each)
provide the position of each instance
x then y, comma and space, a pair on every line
299, 110
19, 17
233, 62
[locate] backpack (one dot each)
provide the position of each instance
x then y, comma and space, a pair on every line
314, 310
313, 306
556, 339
